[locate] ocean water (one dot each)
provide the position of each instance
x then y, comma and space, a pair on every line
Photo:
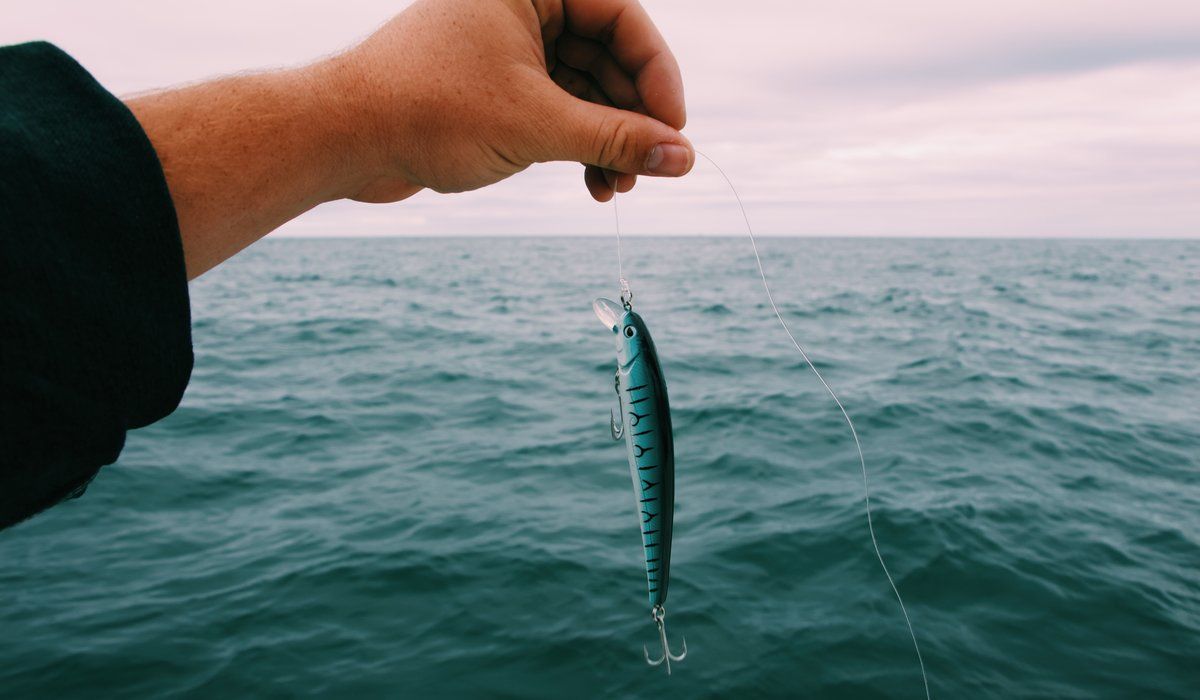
391, 476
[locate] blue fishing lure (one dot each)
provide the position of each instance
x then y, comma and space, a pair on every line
645, 424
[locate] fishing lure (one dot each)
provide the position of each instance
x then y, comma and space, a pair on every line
645, 423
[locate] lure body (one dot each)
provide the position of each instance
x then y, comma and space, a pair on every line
645, 422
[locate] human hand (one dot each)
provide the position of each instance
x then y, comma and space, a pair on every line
451, 95
454, 95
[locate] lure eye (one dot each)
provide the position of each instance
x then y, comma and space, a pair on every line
630, 331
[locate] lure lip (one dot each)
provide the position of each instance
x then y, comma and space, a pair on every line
609, 312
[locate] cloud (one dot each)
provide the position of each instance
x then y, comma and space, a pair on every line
860, 117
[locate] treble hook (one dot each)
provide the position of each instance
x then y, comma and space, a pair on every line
659, 614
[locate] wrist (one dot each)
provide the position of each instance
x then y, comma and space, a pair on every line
358, 136
328, 121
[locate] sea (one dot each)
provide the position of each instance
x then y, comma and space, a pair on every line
392, 477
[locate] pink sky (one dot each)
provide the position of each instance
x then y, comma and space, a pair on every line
858, 117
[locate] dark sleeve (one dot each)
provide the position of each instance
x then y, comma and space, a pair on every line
95, 332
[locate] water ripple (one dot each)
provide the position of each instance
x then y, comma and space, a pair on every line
391, 476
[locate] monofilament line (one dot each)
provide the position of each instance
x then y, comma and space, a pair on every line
854, 433
626, 295
617, 220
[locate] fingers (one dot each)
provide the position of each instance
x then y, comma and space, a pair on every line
578, 84
584, 87
593, 58
602, 183
609, 53
637, 47
550, 17
621, 182
597, 184
614, 139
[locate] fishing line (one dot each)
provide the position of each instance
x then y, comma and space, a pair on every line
862, 461
617, 219
626, 295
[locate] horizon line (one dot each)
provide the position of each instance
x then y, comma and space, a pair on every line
959, 237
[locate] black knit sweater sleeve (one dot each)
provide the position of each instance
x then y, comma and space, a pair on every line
95, 332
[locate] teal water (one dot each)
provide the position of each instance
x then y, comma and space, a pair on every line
391, 476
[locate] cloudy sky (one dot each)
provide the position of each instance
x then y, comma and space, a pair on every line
847, 117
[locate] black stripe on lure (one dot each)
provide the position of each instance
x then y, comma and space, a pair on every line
645, 423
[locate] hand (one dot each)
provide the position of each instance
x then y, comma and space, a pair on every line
451, 95
454, 95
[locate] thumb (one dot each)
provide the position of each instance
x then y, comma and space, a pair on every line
620, 140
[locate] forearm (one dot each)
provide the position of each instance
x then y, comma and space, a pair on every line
245, 154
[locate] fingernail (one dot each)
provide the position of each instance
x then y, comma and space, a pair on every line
667, 159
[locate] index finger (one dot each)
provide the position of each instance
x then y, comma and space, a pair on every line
638, 47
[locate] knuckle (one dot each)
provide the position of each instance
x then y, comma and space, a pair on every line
613, 142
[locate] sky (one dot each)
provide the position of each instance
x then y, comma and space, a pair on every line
835, 118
